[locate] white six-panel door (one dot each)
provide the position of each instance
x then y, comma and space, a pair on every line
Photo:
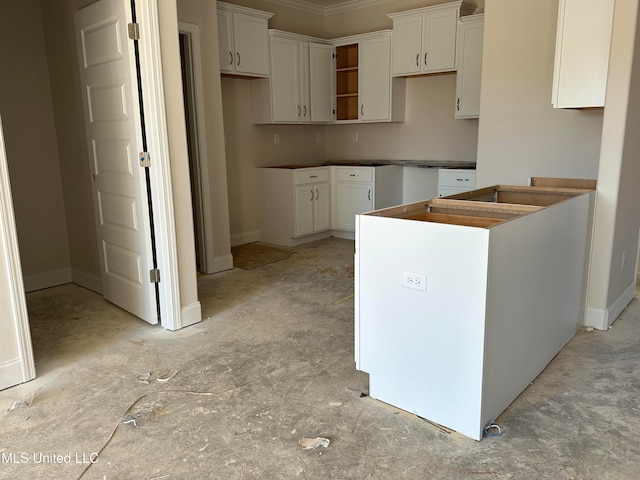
113, 127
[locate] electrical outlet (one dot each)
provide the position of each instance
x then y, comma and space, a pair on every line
318, 137
414, 281
624, 259
355, 137
276, 138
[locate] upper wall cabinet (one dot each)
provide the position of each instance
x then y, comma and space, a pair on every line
424, 39
301, 85
365, 90
582, 53
243, 41
469, 65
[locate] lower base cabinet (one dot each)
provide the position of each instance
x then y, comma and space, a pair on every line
460, 303
295, 206
360, 189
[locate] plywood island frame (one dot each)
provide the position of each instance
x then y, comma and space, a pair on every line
504, 272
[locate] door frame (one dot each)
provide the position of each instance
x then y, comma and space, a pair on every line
203, 197
160, 171
15, 282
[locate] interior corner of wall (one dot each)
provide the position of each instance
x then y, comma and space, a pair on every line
603, 318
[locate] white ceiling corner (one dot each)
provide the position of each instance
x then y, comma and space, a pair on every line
328, 7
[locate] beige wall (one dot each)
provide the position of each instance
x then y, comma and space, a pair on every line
615, 242
520, 134
32, 151
58, 28
430, 131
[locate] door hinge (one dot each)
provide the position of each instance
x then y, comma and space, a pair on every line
134, 31
145, 159
154, 275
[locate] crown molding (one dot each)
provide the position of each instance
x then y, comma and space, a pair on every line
345, 6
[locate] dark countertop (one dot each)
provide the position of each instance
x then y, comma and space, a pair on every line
378, 163
405, 163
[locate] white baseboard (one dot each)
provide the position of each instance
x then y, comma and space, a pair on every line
603, 318
47, 279
220, 264
242, 238
191, 314
86, 280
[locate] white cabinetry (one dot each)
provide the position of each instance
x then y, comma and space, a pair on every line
582, 53
362, 189
243, 45
469, 66
300, 88
365, 90
503, 292
424, 39
295, 205
455, 180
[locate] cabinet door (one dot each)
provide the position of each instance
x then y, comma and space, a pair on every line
353, 199
469, 63
407, 45
251, 41
582, 53
225, 41
374, 79
285, 80
321, 207
303, 210
304, 93
439, 41
322, 84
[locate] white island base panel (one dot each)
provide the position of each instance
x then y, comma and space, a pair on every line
499, 303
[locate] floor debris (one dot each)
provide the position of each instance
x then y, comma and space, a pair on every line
313, 443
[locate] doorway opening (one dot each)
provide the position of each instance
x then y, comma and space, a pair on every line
194, 120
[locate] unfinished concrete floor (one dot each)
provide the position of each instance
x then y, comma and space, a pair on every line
273, 362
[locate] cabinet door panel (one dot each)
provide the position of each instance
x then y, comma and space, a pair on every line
285, 80
407, 41
374, 87
304, 92
321, 207
322, 82
225, 41
251, 42
303, 210
469, 62
353, 199
583, 41
439, 42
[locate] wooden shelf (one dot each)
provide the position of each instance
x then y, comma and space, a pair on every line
347, 107
347, 56
347, 82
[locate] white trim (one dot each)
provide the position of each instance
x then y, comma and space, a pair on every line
191, 314
345, 6
246, 237
86, 280
220, 264
603, 318
158, 143
38, 281
194, 32
240, 9
14, 281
